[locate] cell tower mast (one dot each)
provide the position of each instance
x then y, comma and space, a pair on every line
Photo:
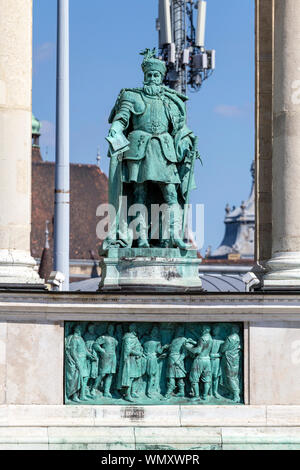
182, 44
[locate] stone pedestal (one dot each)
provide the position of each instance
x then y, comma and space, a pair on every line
283, 270
153, 268
16, 264
32, 410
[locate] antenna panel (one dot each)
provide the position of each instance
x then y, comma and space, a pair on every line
165, 28
200, 31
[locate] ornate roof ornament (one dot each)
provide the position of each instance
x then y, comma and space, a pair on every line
239, 229
36, 126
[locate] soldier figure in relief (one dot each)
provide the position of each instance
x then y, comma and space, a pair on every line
78, 352
160, 151
201, 367
175, 366
105, 346
231, 362
131, 364
152, 351
90, 338
215, 359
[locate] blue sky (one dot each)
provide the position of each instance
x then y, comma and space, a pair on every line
105, 40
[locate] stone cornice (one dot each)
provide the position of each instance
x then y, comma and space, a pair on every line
155, 307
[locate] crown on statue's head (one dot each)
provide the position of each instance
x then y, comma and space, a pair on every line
151, 62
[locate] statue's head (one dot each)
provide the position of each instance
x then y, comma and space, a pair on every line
206, 329
235, 330
154, 69
132, 328
155, 332
91, 328
110, 329
216, 330
77, 330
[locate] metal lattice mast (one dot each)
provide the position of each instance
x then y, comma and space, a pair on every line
178, 9
181, 43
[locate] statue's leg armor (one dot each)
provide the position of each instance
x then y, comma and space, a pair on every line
233, 382
171, 387
83, 389
180, 388
75, 397
97, 383
135, 388
128, 390
195, 389
175, 215
236, 390
206, 387
151, 385
140, 196
107, 386
215, 387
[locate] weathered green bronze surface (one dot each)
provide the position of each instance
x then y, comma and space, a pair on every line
166, 267
147, 364
152, 155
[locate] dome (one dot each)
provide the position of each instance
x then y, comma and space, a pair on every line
36, 126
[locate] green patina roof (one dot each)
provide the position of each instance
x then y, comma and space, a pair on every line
36, 126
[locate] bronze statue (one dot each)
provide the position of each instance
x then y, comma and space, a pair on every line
215, 359
105, 346
153, 351
131, 366
231, 362
152, 154
175, 367
77, 365
201, 367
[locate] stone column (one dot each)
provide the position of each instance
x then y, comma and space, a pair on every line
16, 264
264, 131
284, 266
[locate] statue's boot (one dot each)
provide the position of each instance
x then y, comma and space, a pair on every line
83, 395
128, 396
107, 386
170, 391
140, 195
180, 390
195, 388
205, 391
236, 397
141, 243
75, 398
215, 389
176, 228
150, 388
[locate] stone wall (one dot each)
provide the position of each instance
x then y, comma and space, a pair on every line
32, 410
32, 338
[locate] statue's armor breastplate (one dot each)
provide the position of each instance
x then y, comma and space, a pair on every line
154, 120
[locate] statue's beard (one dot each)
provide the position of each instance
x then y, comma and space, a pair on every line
152, 89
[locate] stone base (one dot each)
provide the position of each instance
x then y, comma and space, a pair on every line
283, 272
18, 267
159, 268
149, 428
